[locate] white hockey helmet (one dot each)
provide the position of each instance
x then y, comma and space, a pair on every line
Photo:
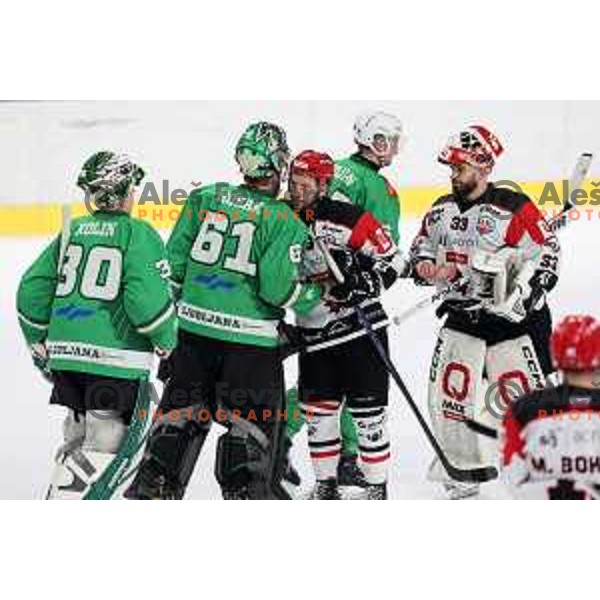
369, 125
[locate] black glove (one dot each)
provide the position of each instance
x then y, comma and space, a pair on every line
292, 339
469, 309
166, 368
346, 261
356, 288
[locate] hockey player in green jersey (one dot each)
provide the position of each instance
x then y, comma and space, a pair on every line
234, 252
94, 307
357, 180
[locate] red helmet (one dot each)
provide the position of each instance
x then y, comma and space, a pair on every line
314, 164
475, 146
575, 344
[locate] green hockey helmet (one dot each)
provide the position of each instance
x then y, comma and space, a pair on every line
262, 151
109, 177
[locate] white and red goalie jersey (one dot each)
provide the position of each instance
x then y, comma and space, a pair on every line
455, 229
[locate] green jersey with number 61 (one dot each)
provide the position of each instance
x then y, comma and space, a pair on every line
235, 254
112, 304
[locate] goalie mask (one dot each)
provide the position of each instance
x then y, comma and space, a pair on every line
476, 146
109, 178
262, 151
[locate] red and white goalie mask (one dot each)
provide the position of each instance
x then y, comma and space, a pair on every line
475, 145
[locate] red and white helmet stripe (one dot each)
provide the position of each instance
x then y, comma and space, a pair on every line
475, 145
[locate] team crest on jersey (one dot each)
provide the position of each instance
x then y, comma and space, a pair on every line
486, 225
344, 174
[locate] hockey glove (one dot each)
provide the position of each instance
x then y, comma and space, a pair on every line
346, 261
291, 337
389, 268
465, 308
39, 354
166, 366
515, 308
356, 288
525, 296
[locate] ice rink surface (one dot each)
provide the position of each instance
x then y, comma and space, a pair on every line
31, 429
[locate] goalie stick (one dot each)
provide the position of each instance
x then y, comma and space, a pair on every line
479, 474
579, 175
65, 236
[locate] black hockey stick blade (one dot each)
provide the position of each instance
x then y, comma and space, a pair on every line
477, 475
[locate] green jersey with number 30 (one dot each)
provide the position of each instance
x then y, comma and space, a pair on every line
235, 254
112, 303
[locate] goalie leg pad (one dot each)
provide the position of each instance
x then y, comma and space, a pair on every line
514, 369
236, 453
250, 460
169, 459
91, 441
454, 382
73, 433
104, 431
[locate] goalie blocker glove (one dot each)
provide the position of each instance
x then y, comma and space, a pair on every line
506, 287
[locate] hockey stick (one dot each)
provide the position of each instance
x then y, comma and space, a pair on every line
479, 474
115, 473
65, 236
481, 429
39, 351
580, 172
429, 301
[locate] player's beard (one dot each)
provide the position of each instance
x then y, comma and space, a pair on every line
301, 203
464, 188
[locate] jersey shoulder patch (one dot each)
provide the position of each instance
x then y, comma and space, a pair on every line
344, 174
338, 211
508, 199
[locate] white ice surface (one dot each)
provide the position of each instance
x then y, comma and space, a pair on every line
31, 428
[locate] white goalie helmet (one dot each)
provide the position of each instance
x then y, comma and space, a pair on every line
369, 125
